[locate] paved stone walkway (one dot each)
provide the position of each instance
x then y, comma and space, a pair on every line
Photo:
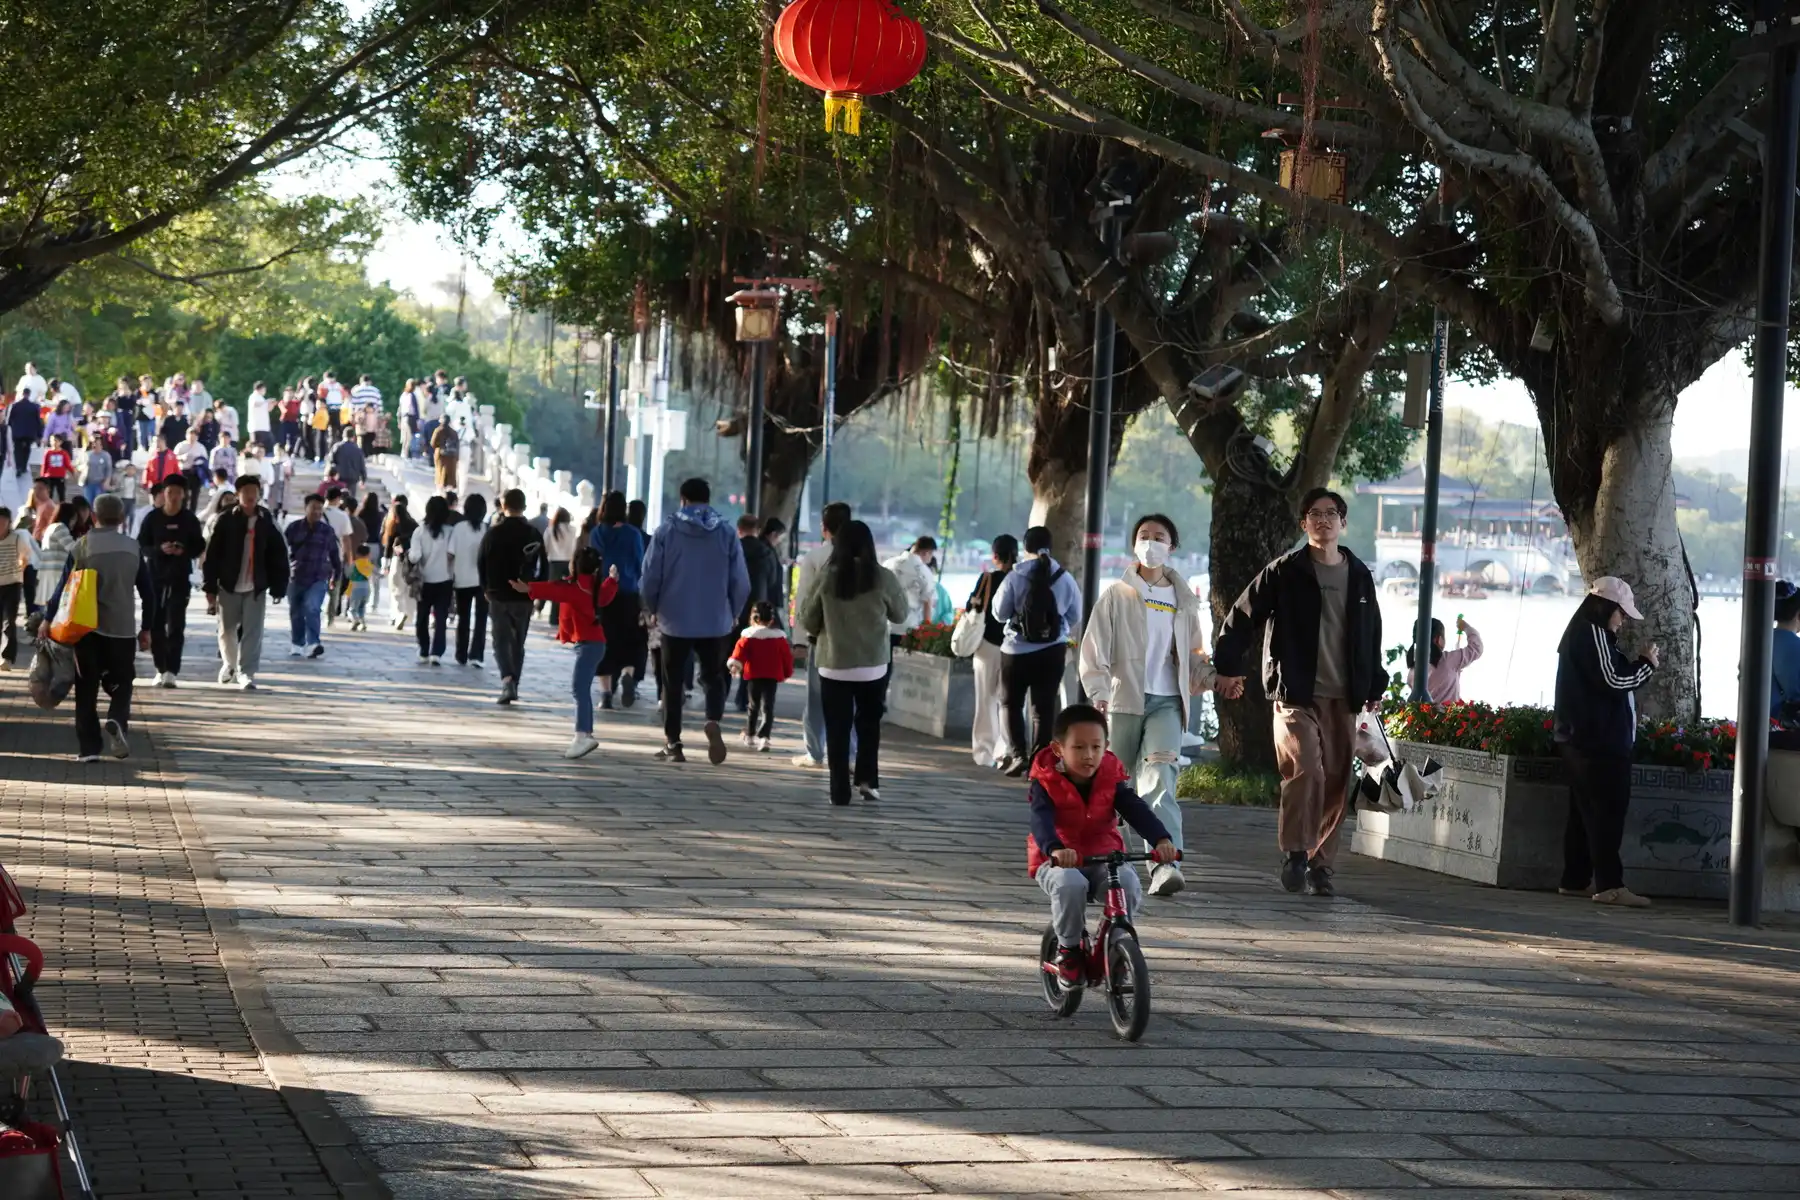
514, 976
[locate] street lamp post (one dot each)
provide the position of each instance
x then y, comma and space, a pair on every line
607, 468
1434, 464
1776, 32
758, 322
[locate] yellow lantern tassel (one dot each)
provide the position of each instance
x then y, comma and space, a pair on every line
849, 105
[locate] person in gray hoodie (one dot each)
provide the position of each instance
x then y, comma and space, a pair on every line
695, 583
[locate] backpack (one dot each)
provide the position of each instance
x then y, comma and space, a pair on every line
450, 443
1039, 619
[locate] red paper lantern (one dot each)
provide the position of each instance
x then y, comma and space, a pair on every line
849, 49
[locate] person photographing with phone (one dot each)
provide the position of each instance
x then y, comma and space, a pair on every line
1596, 730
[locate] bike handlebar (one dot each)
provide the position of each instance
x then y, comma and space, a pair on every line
1101, 860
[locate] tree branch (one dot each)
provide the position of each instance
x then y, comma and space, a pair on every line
1558, 125
1602, 291
1702, 126
1336, 133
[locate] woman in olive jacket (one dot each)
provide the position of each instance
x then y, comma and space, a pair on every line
847, 610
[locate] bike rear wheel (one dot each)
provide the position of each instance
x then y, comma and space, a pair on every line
1127, 985
1062, 999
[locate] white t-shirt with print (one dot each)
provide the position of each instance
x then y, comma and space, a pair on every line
1160, 675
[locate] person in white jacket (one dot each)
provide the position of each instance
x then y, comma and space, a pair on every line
917, 582
1142, 658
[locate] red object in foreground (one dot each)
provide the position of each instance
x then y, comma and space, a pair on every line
849, 49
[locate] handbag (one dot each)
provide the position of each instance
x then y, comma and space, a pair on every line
971, 625
79, 613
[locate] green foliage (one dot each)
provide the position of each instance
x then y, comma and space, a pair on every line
125, 114
1230, 784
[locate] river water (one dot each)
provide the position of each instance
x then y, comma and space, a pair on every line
1519, 635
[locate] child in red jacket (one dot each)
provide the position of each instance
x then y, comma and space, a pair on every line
580, 597
1078, 793
57, 462
764, 658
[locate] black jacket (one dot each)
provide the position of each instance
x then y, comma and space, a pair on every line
1594, 682
511, 549
1285, 596
225, 554
160, 527
25, 420
763, 563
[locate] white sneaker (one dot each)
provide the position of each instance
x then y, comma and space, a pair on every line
807, 761
424, 658
1166, 879
167, 679
762, 745
1622, 897
116, 743
436, 661
246, 684
296, 652
582, 743
87, 758
868, 793
226, 675
747, 738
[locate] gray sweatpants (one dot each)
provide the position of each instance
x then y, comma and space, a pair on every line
242, 654
1070, 889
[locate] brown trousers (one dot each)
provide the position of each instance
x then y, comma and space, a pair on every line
446, 471
1313, 750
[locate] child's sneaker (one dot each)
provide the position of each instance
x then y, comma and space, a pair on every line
1068, 964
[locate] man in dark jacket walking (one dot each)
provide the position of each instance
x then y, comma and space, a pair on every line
246, 563
511, 549
172, 539
1323, 649
25, 422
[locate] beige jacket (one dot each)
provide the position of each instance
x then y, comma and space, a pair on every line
1117, 639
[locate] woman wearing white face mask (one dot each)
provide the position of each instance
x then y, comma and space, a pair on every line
1142, 657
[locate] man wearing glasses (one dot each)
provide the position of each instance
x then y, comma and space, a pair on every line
1323, 646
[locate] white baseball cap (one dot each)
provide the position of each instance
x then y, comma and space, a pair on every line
1611, 587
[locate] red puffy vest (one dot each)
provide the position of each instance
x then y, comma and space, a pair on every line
1089, 826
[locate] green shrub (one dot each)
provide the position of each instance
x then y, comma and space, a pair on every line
1218, 783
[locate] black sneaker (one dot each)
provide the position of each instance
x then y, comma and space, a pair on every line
671, 754
628, 692
606, 701
1318, 881
1293, 871
715, 743
317, 652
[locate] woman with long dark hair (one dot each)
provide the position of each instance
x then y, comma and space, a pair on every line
1596, 729
430, 551
987, 733
471, 599
559, 551
847, 611
621, 544
403, 578
1443, 683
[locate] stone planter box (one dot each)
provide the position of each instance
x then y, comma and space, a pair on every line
1500, 820
932, 694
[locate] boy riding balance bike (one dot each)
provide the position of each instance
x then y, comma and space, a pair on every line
1078, 793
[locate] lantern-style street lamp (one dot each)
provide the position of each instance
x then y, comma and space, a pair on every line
758, 323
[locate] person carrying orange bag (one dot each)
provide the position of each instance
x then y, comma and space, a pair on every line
79, 613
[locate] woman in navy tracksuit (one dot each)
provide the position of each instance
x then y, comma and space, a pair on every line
1596, 728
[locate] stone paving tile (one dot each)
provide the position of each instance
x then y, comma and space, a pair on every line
521, 977
167, 1093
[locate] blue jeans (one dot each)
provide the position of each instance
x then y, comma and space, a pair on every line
304, 602
92, 490
358, 600
588, 656
1148, 745
146, 430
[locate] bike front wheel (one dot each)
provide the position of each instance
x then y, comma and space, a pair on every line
1127, 985
1062, 999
